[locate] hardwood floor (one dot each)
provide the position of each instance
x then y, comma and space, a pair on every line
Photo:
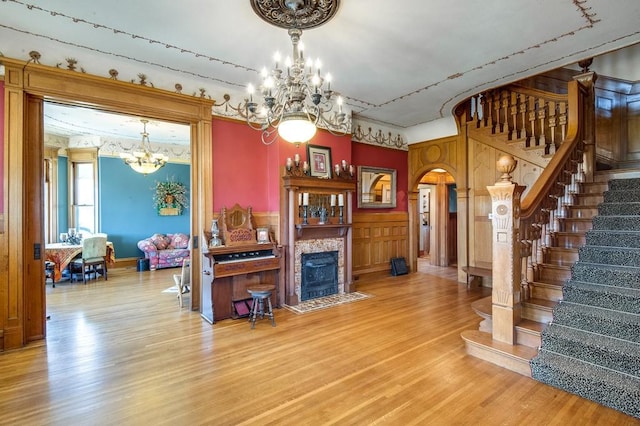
122, 352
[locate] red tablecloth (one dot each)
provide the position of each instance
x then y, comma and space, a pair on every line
62, 254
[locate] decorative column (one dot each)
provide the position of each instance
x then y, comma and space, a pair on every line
507, 265
588, 80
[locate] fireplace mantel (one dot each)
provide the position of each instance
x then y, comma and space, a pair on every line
294, 230
321, 231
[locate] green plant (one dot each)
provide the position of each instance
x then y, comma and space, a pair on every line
170, 194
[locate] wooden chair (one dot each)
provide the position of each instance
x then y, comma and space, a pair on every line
94, 252
50, 272
183, 280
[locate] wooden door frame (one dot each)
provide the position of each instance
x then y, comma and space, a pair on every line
27, 85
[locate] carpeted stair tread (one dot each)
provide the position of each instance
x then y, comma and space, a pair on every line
619, 223
598, 237
619, 209
624, 184
607, 387
623, 276
607, 255
625, 299
616, 354
622, 196
621, 325
592, 345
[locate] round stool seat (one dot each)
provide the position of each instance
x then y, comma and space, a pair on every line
259, 294
261, 289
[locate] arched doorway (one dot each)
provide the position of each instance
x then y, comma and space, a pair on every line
437, 210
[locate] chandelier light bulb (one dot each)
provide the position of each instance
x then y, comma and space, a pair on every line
269, 83
294, 103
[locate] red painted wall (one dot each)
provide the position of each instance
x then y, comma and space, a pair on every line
376, 156
247, 172
1, 147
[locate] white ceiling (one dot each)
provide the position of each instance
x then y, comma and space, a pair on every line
70, 121
400, 64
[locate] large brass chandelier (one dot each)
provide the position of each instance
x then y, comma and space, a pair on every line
144, 161
294, 97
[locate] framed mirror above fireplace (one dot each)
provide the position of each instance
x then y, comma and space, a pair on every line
376, 187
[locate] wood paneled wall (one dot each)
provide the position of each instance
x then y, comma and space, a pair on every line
378, 237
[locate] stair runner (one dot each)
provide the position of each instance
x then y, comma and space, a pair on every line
592, 346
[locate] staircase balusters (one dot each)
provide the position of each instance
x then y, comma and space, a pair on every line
552, 121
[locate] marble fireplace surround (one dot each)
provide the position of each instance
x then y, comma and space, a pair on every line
318, 246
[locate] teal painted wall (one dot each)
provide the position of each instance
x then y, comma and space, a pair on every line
127, 214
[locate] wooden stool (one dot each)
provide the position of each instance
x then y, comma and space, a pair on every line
259, 293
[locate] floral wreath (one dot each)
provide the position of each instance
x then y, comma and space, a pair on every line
170, 194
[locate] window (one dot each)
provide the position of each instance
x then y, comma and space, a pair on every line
83, 190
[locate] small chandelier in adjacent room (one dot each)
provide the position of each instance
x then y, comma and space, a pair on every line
294, 97
144, 161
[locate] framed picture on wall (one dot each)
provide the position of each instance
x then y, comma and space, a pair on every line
319, 158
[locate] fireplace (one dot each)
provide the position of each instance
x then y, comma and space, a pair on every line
319, 275
301, 237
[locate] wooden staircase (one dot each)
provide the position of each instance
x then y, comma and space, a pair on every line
546, 290
554, 218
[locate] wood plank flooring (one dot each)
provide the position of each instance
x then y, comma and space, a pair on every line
122, 352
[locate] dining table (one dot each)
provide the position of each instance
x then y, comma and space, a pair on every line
61, 254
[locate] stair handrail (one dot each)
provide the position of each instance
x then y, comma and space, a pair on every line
558, 122
537, 117
547, 199
567, 152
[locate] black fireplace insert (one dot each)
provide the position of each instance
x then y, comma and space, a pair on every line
319, 275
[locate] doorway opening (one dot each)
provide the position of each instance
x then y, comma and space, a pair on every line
89, 189
438, 215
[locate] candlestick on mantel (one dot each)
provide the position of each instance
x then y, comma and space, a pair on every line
340, 200
299, 198
333, 200
305, 199
296, 158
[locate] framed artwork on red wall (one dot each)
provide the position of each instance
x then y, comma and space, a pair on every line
319, 158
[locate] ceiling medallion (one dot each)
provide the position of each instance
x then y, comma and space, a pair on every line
302, 14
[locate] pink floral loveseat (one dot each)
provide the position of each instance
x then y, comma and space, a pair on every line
165, 250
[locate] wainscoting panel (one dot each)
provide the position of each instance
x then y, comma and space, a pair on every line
378, 237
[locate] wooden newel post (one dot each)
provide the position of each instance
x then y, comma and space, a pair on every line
505, 208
